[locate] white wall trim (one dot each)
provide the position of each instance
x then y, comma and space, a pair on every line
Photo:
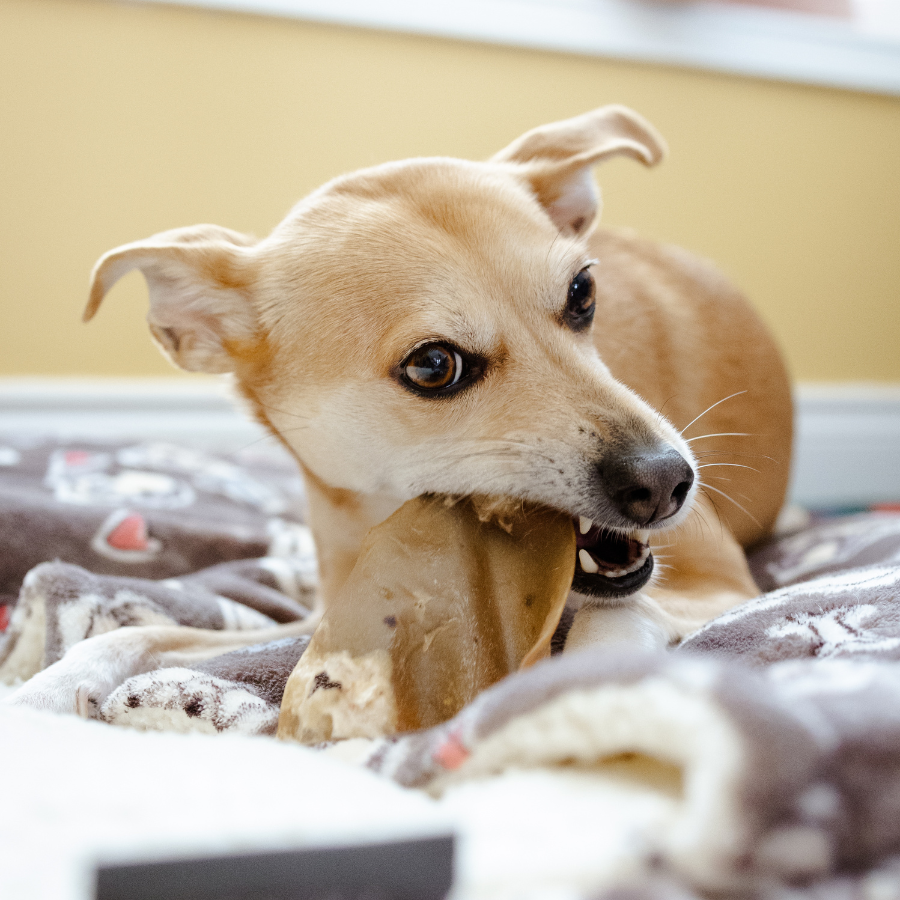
738, 39
847, 449
200, 410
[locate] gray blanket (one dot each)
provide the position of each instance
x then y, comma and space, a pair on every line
781, 717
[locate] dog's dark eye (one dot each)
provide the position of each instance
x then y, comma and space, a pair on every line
580, 303
433, 367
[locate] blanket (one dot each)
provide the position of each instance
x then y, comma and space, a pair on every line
769, 740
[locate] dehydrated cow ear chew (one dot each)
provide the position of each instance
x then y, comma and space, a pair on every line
439, 606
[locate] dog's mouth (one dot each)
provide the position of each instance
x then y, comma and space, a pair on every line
610, 564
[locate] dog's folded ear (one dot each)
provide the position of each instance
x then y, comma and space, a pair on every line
556, 160
200, 280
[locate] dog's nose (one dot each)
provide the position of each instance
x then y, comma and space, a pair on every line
647, 487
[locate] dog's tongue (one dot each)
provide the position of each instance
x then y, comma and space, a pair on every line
439, 606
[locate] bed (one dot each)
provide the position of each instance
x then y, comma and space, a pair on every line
760, 757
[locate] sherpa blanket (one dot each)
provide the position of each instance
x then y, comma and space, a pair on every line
769, 740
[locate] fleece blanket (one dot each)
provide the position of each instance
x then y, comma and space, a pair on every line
769, 740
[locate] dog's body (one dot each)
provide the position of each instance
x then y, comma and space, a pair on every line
426, 326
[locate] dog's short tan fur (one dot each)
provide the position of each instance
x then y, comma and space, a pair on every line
315, 319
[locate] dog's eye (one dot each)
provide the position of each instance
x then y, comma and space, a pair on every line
580, 302
433, 367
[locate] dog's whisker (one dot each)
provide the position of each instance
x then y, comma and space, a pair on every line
480, 486
497, 447
733, 465
659, 412
526, 465
552, 245
705, 411
701, 437
282, 412
706, 487
721, 523
701, 513
706, 453
471, 453
283, 431
259, 440
454, 458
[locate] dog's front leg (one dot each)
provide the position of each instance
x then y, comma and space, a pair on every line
92, 669
89, 672
637, 621
702, 571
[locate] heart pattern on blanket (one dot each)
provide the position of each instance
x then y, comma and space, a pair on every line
129, 534
123, 537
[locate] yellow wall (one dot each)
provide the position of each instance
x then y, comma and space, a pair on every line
120, 120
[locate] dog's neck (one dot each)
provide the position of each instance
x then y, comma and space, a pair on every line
340, 520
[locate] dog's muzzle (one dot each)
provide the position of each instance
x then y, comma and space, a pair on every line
643, 490
646, 488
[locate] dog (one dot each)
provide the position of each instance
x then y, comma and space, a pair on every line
454, 327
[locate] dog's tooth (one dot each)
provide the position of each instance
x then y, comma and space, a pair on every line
584, 525
637, 564
642, 535
587, 562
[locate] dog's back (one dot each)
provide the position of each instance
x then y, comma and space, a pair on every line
673, 328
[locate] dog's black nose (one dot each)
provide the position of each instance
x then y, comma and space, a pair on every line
647, 487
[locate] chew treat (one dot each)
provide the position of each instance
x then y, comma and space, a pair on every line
439, 606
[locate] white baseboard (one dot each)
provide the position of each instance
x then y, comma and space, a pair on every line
847, 451
200, 410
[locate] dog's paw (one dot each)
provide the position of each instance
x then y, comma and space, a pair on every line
76, 684
638, 622
48, 693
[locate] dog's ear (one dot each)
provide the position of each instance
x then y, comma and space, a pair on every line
556, 160
200, 279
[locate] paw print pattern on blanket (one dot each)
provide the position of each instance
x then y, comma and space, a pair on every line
239, 692
853, 613
832, 546
835, 633
62, 605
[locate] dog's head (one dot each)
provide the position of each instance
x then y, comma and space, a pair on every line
426, 326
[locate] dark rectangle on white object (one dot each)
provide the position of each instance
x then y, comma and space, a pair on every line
400, 870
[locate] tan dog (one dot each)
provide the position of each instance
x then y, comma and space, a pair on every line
436, 325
